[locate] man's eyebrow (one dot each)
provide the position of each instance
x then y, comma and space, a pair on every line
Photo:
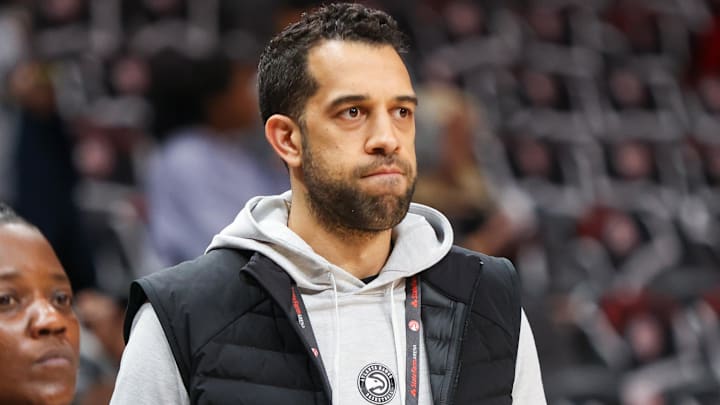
9, 273
59, 275
12, 273
407, 99
351, 98
357, 98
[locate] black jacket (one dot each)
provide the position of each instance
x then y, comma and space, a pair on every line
229, 321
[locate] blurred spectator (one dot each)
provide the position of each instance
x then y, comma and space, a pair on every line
707, 56
543, 90
645, 322
548, 171
13, 46
625, 248
655, 33
627, 92
102, 345
188, 190
635, 177
45, 174
550, 24
449, 126
154, 25
464, 40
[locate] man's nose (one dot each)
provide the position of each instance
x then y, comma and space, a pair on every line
383, 138
46, 320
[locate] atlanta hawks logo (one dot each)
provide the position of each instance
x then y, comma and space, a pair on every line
414, 325
376, 384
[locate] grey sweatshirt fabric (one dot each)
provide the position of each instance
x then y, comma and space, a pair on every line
356, 325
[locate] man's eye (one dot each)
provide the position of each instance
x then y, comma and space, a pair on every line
7, 301
62, 299
351, 113
403, 112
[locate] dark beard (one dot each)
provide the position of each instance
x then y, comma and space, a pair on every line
342, 208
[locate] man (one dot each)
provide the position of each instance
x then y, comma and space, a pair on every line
333, 292
39, 333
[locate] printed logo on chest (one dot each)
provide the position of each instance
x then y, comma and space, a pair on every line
376, 384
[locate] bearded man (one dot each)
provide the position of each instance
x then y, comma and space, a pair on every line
341, 290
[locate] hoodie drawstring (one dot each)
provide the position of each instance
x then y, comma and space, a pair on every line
396, 339
336, 356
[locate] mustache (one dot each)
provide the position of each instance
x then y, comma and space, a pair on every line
390, 160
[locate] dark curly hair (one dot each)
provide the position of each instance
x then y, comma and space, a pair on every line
284, 82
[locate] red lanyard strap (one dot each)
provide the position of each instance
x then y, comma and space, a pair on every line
413, 326
304, 322
414, 323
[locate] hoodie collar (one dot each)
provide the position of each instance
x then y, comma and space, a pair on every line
422, 238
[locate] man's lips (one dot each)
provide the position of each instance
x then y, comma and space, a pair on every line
385, 171
59, 356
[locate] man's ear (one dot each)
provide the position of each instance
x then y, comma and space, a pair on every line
284, 136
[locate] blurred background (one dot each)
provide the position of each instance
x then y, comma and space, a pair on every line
580, 138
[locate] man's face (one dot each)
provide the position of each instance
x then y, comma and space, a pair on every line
39, 334
358, 140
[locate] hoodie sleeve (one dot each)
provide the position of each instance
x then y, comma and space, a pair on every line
148, 374
528, 386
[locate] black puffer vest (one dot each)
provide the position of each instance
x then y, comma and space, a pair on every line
229, 322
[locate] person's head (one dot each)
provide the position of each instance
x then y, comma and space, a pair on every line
338, 105
39, 334
232, 106
627, 88
633, 160
285, 82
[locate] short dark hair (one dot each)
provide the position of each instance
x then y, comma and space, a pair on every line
284, 82
9, 216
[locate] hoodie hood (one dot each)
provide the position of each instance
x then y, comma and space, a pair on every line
422, 238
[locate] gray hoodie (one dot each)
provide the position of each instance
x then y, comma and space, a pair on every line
358, 326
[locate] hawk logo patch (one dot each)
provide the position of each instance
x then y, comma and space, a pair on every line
376, 384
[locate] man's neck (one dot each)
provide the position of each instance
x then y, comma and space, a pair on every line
362, 254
